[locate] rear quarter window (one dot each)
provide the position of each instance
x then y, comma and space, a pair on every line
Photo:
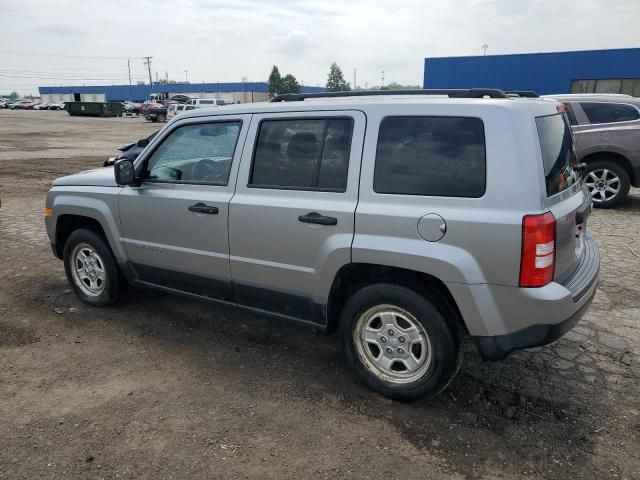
600, 112
431, 156
558, 155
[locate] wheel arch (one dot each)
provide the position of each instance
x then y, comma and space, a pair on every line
616, 157
66, 224
354, 276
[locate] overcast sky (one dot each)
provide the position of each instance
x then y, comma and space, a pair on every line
58, 42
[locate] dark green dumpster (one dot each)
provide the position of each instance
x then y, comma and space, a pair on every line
94, 109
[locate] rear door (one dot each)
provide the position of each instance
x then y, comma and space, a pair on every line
291, 221
567, 198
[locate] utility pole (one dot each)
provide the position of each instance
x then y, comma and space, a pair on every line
148, 64
382, 79
354, 78
186, 76
129, 67
484, 47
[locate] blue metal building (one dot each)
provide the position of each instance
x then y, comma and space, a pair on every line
241, 91
588, 71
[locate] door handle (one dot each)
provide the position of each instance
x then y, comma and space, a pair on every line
202, 208
315, 217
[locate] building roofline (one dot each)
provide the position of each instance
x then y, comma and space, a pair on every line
563, 52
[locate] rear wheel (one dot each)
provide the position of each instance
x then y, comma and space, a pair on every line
399, 342
91, 268
608, 182
162, 117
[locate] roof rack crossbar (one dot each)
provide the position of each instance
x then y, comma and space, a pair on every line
523, 93
453, 93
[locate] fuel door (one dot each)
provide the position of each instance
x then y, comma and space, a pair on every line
432, 227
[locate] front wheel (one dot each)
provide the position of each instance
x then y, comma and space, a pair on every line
91, 268
608, 182
399, 342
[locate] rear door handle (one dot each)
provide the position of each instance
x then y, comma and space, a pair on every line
202, 208
315, 217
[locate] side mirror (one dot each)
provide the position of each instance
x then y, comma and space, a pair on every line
143, 142
124, 172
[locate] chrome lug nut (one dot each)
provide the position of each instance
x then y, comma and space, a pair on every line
401, 351
401, 339
391, 333
383, 339
389, 350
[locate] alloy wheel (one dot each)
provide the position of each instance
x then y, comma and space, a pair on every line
88, 270
603, 184
392, 344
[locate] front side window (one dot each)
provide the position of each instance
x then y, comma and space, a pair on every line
200, 153
431, 156
600, 112
304, 154
558, 155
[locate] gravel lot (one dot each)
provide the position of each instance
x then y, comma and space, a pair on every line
165, 387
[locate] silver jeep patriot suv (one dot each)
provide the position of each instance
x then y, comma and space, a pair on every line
402, 220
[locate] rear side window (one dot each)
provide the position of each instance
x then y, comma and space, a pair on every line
303, 154
599, 112
558, 156
433, 156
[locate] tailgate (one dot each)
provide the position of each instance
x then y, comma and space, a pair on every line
571, 213
567, 198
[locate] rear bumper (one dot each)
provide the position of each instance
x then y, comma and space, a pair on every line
500, 346
501, 319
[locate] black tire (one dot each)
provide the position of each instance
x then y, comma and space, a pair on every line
443, 334
113, 283
618, 169
162, 117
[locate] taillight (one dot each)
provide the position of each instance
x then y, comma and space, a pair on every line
538, 250
562, 108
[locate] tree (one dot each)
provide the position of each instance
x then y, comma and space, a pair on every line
275, 82
398, 86
336, 81
289, 84
14, 96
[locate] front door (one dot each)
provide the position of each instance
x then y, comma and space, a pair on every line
291, 221
174, 225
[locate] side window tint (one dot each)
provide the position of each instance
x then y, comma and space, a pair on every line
571, 115
303, 154
199, 153
437, 156
609, 112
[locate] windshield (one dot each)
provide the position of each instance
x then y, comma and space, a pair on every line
558, 154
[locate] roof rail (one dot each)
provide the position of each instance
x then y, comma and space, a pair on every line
523, 93
453, 93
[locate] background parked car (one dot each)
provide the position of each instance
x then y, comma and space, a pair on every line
206, 102
41, 106
18, 104
180, 98
607, 138
56, 106
26, 105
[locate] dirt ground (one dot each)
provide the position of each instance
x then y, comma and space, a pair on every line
163, 387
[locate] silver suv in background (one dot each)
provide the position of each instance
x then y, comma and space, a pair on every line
403, 221
606, 132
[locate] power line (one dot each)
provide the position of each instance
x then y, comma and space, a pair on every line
88, 57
